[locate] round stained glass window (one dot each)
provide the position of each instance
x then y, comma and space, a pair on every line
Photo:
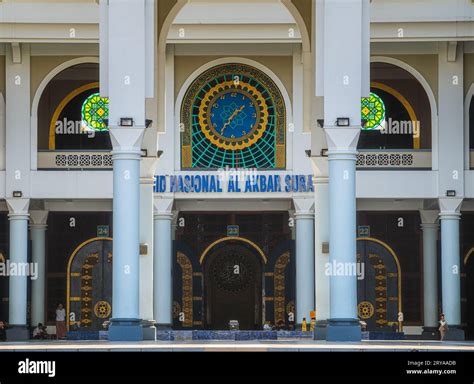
95, 113
373, 112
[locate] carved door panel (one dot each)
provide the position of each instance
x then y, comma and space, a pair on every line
378, 290
90, 286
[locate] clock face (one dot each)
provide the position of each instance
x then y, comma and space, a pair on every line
233, 116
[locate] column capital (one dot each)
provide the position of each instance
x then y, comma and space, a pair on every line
429, 217
450, 216
320, 170
38, 219
163, 208
304, 208
18, 208
450, 208
304, 216
148, 169
126, 142
342, 141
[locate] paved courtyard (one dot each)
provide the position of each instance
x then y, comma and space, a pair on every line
221, 346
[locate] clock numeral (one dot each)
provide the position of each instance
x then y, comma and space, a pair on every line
223, 97
215, 106
212, 114
233, 94
244, 132
254, 115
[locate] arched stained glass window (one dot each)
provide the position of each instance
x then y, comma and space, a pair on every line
234, 116
373, 112
95, 113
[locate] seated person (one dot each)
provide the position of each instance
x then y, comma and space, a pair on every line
3, 331
40, 332
281, 325
267, 326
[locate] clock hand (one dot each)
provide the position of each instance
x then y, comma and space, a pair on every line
236, 112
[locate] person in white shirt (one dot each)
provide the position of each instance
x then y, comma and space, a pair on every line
40, 332
443, 326
60, 322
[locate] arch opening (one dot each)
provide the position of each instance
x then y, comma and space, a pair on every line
233, 278
68, 107
404, 111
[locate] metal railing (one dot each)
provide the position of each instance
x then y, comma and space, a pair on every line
74, 160
383, 159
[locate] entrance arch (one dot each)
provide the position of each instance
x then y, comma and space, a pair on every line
379, 293
233, 281
469, 293
89, 285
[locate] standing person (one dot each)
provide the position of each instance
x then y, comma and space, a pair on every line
60, 322
443, 326
304, 325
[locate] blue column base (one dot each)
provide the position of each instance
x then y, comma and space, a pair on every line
343, 330
454, 333
320, 330
149, 330
125, 330
18, 333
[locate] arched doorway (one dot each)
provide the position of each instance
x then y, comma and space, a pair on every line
233, 275
379, 288
89, 285
469, 293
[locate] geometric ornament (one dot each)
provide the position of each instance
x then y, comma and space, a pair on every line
365, 310
102, 309
373, 112
95, 112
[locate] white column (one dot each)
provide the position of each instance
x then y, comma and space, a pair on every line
451, 118
304, 219
123, 39
38, 220
321, 243
147, 173
344, 83
450, 217
430, 228
17, 303
163, 263
18, 101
